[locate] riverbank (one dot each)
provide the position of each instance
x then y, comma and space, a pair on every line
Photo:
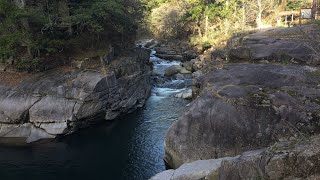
129, 148
61, 101
263, 88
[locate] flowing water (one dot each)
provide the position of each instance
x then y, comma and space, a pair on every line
130, 148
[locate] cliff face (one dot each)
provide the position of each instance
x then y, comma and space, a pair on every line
60, 102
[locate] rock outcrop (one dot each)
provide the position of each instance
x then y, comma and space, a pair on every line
192, 171
168, 53
187, 94
60, 101
294, 159
175, 69
245, 107
175, 51
295, 45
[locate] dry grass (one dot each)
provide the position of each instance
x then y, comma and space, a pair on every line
13, 78
80, 55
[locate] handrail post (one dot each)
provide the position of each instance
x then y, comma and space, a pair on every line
300, 17
314, 9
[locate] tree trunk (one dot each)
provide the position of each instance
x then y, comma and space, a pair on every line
243, 9
259, 14
25, 23
226, 21
206, 30
314, 9
199, 28
64, 13
199, 31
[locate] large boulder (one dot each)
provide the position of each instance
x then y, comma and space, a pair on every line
244, 107
187, 94
294, 159
166, 50
151, 43
284, 45
168, 53
297, 159
60, 102
176, 57
188, 65
189, 55
175, 69
192, 171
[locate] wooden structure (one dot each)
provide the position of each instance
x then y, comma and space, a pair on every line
288, 17
315, 11
314, 8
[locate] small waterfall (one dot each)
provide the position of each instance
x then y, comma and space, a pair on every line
165, 86
132, 148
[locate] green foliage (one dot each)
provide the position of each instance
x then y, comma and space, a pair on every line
294, 4
149, 5
204, 17
50, 27
11, 32
206, 45
166, 21
7, 44
100, 15
207, 22
27, 64
213, 10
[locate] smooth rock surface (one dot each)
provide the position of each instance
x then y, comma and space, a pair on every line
151, 43
192, 171
245, 107
284, 45
298, 158
294, 159
185, 94
59, 102
188, 65
176, 57
175, 69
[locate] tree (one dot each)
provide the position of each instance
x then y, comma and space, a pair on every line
166, 20
259, 7
53, 26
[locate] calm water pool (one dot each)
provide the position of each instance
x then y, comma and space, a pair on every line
130, 148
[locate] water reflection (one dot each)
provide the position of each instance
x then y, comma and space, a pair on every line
132, 148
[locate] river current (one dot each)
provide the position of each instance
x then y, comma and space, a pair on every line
130, 148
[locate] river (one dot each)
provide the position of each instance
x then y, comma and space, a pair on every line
130, 148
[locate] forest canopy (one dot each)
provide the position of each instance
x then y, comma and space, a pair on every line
208, 21
33, 30
30, 29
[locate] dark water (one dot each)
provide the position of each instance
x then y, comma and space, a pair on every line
131, 148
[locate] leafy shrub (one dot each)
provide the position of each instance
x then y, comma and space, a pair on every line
49, 27
206, 45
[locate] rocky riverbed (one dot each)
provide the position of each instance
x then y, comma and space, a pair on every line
244, 107
270, 95
130, 147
